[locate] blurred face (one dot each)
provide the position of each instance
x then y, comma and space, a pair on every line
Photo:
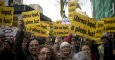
33, 47
44, 54
24, 43
66, 50
109, 35
86, 49
7, 45
103, 40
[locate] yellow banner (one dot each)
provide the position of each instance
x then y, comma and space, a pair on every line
34, 29
15, 21
60, 30
31, 17
6, 14
71, 8
99, 30
83, 26
77, 28
109, 24
42, 29
45, 29
1, 3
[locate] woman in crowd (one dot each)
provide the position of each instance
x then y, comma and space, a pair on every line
65, 51
81, 56
86, 49
32, 47
46, 53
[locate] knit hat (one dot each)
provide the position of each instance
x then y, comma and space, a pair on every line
63, 44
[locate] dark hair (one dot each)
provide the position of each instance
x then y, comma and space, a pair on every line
104, 37
53, 54
84, 45
28, 43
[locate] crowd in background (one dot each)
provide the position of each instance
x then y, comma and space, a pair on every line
72, 47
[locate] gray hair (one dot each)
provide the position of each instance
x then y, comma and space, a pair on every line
81, 56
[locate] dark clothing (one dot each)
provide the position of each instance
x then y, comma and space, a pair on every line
75, 49
19, 53
94, 50
108, 48
6, 55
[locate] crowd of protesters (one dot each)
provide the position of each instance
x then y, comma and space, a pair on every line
28, 47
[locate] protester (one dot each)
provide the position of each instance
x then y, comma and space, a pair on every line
24, 43
94, 49
108, 47
75, 45
46, 53
65, 51
56, 46
101, 47
31, 51
81, 56
86, 48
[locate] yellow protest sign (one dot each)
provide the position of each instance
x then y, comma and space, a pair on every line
83, 26
109, 24
28, 28
77, 28
71, 8
60, 30
45, 29
7, 15
15, 21
34, 29
1, 3
99, 29
58, 22
31, 17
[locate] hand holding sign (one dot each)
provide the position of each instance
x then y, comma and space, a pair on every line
21, 24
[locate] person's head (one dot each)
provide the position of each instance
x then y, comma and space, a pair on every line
93, 42
24, 43
86, 41
7, 45
86, 48
74, 41
103, 39
46, 53
81, 56
32, 47
65, 48
109, 35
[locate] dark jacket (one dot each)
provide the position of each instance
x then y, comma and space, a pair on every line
108, 50
19, 53
6, 55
